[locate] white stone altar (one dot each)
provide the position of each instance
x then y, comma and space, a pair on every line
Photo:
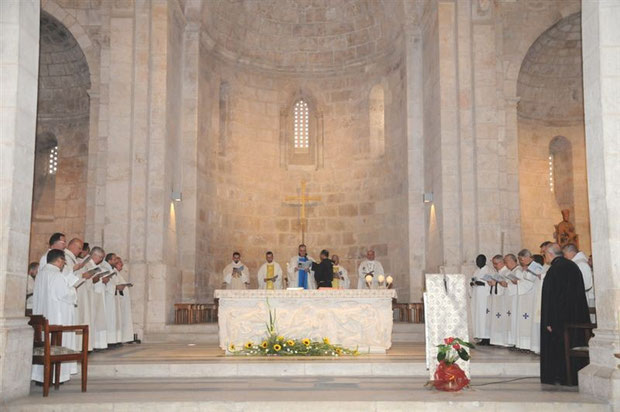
351, 318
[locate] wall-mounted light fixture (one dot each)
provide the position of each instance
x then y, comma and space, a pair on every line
176, 196
427, 197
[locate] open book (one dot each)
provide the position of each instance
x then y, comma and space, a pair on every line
304, 265
535, 268
488, 277
513, 277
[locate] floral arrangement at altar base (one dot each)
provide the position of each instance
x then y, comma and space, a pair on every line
449, 376
278, 345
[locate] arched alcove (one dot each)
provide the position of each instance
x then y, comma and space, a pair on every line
63, 111
552, 169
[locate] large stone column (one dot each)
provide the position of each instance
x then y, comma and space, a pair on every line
601, 81
19, 65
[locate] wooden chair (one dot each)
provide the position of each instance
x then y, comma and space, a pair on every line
418, 312
210, 312
48, 350
183, 313
571, 352
403, 312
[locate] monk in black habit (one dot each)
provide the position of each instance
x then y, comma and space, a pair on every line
563, 301
324, 271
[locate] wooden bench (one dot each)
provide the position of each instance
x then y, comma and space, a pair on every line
189, 313
48, 350
409, 312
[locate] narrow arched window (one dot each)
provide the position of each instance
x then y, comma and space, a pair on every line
376, 117
301, 126
52, 164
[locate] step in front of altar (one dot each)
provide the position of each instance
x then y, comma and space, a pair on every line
169, 360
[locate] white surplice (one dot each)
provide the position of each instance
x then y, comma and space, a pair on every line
99, 332
479, 303
366, 267
110, 305
236, 282
84, 314
586, 272
526, 293
123, 309
345, 282
535, 335
262, 274
59, 309
510, 309
499, 322
293, 275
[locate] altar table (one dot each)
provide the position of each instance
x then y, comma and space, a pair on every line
349, 317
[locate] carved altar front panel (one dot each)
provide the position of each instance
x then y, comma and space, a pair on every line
352, 318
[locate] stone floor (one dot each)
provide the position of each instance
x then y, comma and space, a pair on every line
317, 393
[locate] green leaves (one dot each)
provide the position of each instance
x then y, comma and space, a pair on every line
463, 354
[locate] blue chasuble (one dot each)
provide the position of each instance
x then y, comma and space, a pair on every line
302, 275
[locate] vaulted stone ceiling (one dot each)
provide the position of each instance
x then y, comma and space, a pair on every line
550, 82
302, 35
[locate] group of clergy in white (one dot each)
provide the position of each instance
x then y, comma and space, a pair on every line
506, 297
78, 286
299, 274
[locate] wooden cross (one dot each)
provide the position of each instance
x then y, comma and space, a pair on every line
302, 201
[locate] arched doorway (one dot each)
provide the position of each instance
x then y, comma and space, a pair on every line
61, 148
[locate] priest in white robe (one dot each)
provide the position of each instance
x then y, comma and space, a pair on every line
571, 252
236, 274
99, 333
480, 299
341, 276
526, 289
56, 304
110, 283
270, 274
498, 322
57, 241
535, 335
372, 267
299, 270
33, 268
123, 304
510, 298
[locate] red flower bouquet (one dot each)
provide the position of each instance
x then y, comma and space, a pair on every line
449, 376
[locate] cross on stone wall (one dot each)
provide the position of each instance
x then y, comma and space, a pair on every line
302, 201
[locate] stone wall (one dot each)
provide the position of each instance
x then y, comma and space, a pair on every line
363, 197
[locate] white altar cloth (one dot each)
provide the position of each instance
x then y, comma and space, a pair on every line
349, 317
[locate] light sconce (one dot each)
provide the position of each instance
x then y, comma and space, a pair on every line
176, 196
427, 197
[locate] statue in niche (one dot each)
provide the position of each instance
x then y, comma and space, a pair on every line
565, 231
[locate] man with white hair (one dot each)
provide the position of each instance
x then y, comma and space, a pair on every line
369, 267
571, 252
526, 293
563, 302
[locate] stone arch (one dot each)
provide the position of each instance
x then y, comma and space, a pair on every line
63, 117
550, 134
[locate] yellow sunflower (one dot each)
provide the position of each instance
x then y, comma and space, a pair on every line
290, 342
277, 347
231, 347
339, 351
280, 338
355, 353
264, 344
326, 341
306, 342
249, 345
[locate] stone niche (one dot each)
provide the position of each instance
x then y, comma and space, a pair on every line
357, 119
61, 148
552, 157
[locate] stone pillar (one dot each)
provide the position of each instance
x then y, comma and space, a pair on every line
601, 78
19, 61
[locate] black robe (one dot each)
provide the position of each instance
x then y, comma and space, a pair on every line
323, 273
563, 301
